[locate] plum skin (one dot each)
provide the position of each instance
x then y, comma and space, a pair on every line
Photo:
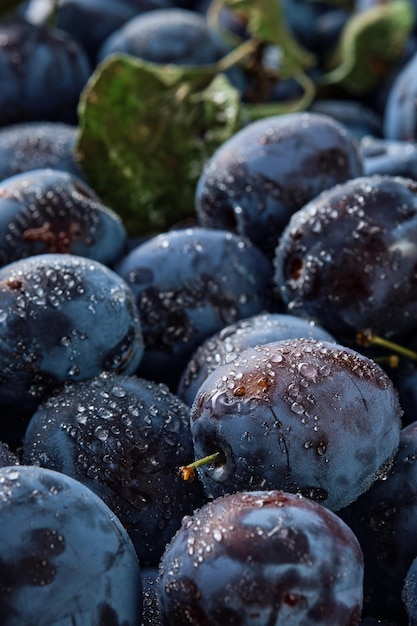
300, 415
262, 557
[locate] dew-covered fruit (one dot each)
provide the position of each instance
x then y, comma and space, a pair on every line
63, 317
246, 333
48, 210
35, 145
188, 284
64, 556
384, 518
348, 258
301, 415
269, 169
150, 613
124, 438
7, 456
262, 557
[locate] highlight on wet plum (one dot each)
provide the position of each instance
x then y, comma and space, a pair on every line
269, 169
52, 211
63, 317
262, 557
37, 145
188, 283
64, 556
302, 415
348, 258
246, 333
123, 437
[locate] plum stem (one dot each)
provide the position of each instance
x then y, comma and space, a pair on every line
367, 337
187, 472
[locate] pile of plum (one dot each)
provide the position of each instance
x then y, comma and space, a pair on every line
213, 424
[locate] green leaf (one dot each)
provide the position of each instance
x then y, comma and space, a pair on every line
266, 25
252, 112
266, 22
370, 46
146, 131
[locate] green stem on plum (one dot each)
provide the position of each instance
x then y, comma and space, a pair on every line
392, 360
367, 337
187, 472
238, 54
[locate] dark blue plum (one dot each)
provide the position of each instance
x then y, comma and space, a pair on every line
35, 145
361, 120
400, 114
246, 333
348, 258
269, 169
64, 556
188, 284
384, 518
52, 211
409, 593
171, 35
150, 613
90, 22
302, 415
265, 557
42, 73
7, 456
124, 438
392, 157
63, 317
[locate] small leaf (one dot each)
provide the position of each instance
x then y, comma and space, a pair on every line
266, 26
252, 112
267, 23
370, 46
146, 131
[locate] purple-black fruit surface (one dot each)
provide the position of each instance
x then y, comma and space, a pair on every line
400, 120
171, 36
124, 438
35, 145
232, 339
265, 557
301, 415
348, 258
409, 593
42, 73
269, 169
90, 22
52, 211
359, 119
64, 557
7, 456
63, 317
392, 157
384, 518
188, 284
150, 614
